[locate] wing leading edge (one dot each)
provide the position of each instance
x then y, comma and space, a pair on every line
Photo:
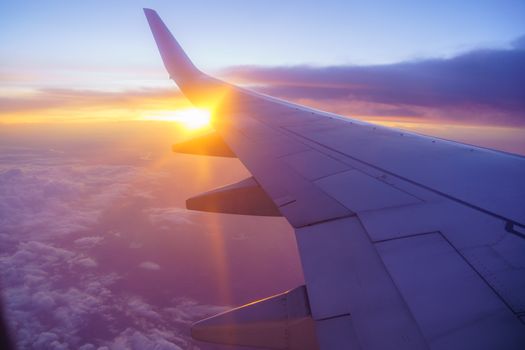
406, 241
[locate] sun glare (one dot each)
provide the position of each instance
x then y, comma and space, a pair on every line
191, 118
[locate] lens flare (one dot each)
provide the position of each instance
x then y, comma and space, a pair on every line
191, 118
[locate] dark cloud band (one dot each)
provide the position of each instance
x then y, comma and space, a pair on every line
482, 81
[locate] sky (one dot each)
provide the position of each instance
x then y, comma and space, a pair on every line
226, 33
432, 67
97, 250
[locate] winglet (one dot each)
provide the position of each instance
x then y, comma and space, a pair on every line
197, 86
177, 63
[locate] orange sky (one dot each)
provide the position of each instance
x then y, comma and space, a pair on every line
80, 106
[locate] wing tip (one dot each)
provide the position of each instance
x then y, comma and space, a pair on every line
149, 12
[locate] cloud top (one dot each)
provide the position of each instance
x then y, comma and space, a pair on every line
488, 82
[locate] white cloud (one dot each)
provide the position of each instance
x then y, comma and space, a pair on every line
88, 346
48, 340
171, 216
47, 306
89, 242
55, 288
148, 265
135, 340
44, 300
186, 310
136, 307
135, 245
44, 196
56, 199
87, 262
41, 300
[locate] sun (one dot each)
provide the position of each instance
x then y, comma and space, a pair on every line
191, 118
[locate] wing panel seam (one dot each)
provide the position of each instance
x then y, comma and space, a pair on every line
413, 182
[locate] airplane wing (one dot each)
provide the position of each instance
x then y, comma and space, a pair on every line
406, 241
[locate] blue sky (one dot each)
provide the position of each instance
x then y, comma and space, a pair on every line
223, 33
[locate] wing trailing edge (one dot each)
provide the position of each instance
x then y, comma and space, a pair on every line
245, 198
210, 144
282, 321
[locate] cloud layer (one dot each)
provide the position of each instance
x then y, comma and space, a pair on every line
484, 85
57, 291
98, 252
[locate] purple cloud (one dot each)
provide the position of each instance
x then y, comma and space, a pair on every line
488, 81
57, 289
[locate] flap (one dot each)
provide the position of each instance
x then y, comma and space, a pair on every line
279, 322
245, 197
210, 144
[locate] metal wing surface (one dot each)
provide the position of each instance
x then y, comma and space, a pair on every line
406, 241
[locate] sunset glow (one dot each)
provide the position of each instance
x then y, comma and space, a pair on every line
190, 118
